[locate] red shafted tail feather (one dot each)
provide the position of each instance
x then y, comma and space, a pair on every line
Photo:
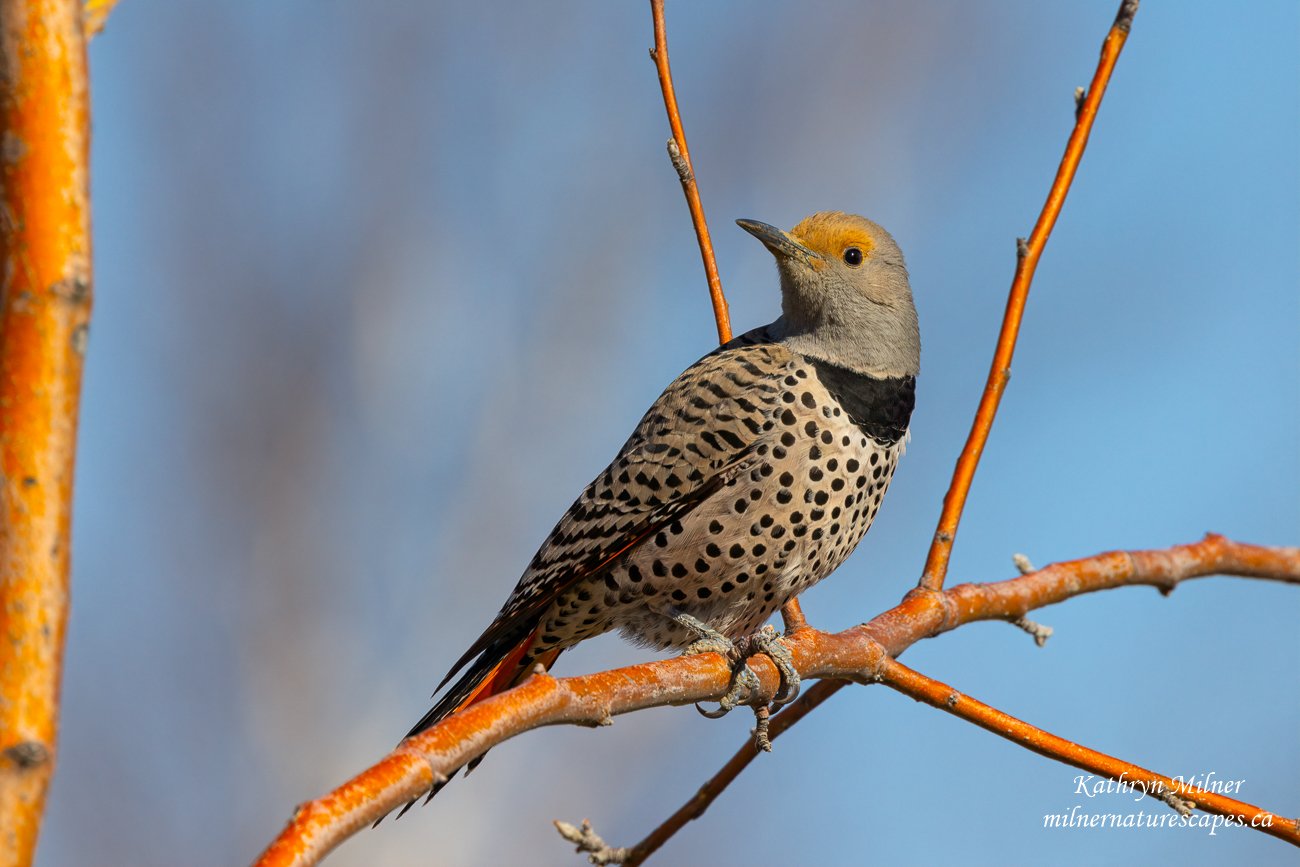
508, 673
485, 679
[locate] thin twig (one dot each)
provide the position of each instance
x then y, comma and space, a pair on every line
709, 792
1182, 798
681, 159
854, 654
792, 617
45, 304
1036, 630
954, 502
587, 841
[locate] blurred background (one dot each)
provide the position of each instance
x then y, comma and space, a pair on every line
381, 286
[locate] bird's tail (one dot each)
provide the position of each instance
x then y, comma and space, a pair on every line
499, 667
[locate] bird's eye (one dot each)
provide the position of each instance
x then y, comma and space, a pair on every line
853, 256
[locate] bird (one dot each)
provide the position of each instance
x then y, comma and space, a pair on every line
752, 477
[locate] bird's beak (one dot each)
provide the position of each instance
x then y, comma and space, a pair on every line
780, 243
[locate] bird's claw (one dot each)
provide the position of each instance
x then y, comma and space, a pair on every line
767, 641
744, 682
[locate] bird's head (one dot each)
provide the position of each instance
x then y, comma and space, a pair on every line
845, 297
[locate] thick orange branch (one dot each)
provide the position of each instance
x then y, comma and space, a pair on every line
856, 654
44, 313
1028, 254
681, 158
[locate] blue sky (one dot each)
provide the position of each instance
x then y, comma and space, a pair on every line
381, 286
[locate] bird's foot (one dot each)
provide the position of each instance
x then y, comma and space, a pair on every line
744, 682
768, 642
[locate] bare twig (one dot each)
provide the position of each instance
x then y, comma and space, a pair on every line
588, 841
792, 617
856, 654
1038, 631
924, 689
681, 159
44, 314
1029, 251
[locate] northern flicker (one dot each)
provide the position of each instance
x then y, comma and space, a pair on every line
751, 478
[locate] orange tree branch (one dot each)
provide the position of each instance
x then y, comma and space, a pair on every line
1179, 796
681, 158
96, 14
935, 612
858, 654
1028, 253
44, 312
792, 616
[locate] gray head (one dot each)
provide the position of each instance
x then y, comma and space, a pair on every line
845, 298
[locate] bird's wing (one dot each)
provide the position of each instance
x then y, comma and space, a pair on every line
696, 437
